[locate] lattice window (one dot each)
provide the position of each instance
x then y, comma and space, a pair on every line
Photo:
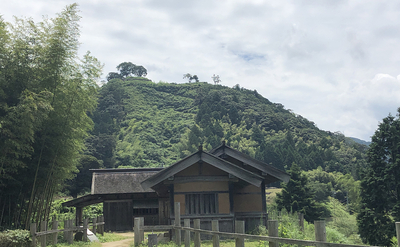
201, 204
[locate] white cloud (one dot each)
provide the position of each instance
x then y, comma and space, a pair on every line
332, 62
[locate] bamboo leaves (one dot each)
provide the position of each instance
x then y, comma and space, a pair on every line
46, 91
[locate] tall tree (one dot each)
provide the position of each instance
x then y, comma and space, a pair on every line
46, 91
296, 196
380, 186
127, 69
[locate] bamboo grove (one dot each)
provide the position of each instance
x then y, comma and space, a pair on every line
46, 91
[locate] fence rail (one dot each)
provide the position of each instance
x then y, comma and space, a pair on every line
97, 225
239, 235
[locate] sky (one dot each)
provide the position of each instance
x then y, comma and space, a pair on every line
334, 62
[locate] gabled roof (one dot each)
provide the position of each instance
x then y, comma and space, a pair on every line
271, 172
211, 159
117, 181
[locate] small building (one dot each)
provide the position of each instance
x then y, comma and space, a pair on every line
222, 184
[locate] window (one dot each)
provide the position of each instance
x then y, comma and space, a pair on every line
145, 211
201, 204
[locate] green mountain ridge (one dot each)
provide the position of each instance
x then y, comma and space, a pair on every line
360, 141
139, 123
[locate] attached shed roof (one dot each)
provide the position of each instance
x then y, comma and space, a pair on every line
271, 173
118, 181
211, 159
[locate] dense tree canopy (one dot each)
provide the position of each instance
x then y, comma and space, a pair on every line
296, 196
142, 123
380, 186
127, 69
46, 91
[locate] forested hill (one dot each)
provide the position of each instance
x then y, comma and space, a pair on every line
139, 123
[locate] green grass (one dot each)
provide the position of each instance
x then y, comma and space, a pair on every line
208, 243
79, 244
271, 194
111, 237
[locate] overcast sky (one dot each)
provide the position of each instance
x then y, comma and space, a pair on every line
335, 62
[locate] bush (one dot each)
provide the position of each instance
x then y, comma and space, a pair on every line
15, 238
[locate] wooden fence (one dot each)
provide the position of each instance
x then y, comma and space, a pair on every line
97, 225
239, 235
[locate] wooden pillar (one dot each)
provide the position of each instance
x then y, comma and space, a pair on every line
178, 223
320, 233
171, 200
136, 228
263, 198
85, 227
273, 226
186, 223
215, 228
398, 233
65, 230
239, 228
78, 216
152, 240
55, 227
71, 232
103, 225
43, 228
197, 240
141, 232
231, 195
301, 221
33, 234
94, 228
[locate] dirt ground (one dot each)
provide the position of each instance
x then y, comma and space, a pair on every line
121, 243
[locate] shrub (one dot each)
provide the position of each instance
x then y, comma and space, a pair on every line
15, 238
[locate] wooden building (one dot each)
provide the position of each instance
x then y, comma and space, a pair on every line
222, 184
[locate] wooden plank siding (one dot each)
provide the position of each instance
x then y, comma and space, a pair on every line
118, 215
248, 199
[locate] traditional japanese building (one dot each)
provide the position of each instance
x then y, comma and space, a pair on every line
222, 184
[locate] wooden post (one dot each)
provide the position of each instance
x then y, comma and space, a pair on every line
186, 223
94, 228
33, 234
78, 216
177, 223
98, 220
141, 229
55, 227
215, 237
273, 226
301, 221
320, 233
65, 228
196, 225
85, 227
152, 240
136, 228
71, 232
43, 228
102, 226
239, 228
398, 233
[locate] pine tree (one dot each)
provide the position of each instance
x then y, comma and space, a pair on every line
380, 186
296, 196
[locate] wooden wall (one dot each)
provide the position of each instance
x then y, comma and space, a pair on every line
118, 215
245, 199
221, 188
248, 199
